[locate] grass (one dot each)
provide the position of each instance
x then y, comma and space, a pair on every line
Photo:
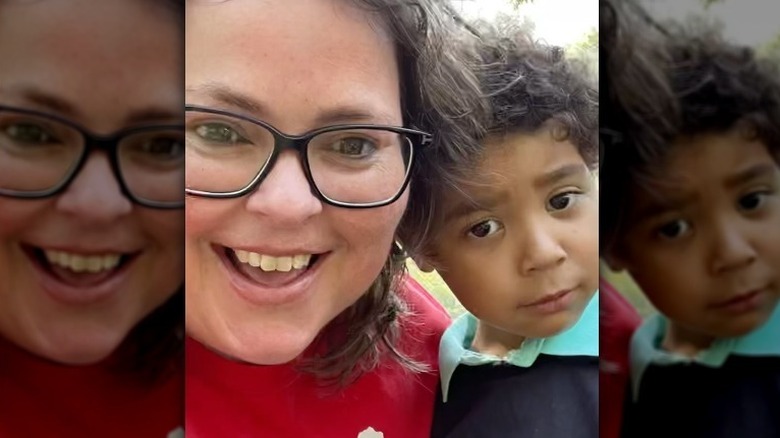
434, 284
626, 286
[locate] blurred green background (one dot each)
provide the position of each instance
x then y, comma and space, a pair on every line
626, 286
433, 283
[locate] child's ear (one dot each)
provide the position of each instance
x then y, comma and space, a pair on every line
423, 263
615, 263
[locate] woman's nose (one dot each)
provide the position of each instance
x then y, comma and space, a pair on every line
95, 194
285, 195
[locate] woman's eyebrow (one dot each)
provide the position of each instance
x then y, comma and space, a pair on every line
49, 102
250, 106
45, 101
226, 95
349, 114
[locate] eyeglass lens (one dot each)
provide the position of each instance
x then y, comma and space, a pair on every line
38, 154
360, 166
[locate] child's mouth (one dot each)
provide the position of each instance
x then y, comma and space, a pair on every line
744, 302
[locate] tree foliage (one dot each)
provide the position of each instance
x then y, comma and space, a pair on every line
518, 3
708, 3
771, 49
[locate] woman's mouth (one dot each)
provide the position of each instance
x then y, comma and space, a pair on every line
268, 263
268, 270
269, 279
79, 276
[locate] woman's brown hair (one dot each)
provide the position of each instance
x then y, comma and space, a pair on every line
440, 94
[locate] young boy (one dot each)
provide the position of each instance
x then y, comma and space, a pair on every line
631, 62
517, 243
696, 221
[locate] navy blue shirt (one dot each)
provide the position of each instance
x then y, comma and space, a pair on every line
731, 389
548, 388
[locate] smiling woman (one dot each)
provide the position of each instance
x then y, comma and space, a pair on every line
91, 262
304, 124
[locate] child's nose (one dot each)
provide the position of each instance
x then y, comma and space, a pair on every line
731, 249
540, 250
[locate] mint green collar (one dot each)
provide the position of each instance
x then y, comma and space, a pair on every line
582, 339
646, 341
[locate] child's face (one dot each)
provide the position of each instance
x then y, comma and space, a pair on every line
706, 250
525, 261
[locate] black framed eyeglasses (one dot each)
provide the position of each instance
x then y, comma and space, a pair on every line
41, 154
354, 166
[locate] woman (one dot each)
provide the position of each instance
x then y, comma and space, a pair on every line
300, 324
91, 259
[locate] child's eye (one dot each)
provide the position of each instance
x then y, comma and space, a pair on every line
561, 201
674, 229
485, 228
752, 201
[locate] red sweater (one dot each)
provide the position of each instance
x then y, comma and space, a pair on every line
39, 398
229, 399
618, 321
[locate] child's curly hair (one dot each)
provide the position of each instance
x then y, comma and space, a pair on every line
715, 86
638, 111
525, 84
529, 83
719, 84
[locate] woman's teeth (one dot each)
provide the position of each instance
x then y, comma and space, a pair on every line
270, 263
80, 263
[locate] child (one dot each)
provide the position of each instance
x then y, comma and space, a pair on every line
696, 221
631, 62
517, 243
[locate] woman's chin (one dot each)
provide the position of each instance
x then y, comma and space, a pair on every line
269, 358
267, 349
86, 350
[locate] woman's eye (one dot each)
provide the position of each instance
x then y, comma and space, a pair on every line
674, 229
163, 147
28, 133
355, 147
562, 201
219, 133
752, 201
485, 228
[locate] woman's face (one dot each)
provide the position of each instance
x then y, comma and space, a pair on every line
129, 76
298, 65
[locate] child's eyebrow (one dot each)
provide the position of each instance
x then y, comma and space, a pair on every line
660, 207
560, 173
751, 173
464, 207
